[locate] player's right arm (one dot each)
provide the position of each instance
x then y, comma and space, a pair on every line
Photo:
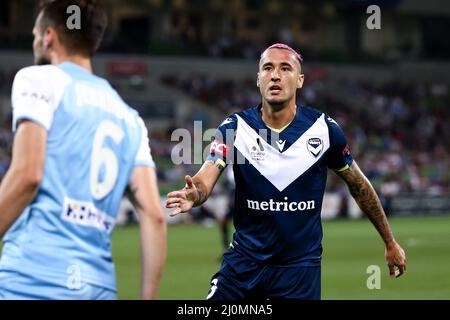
197, 189
36, 93
21, 182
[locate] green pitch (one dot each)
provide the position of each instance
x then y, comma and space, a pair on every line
349, 248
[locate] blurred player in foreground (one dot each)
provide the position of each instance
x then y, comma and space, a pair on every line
77, 147
280, 153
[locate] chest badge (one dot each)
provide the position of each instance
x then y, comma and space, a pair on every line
315, 146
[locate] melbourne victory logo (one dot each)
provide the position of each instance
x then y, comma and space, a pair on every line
315, 146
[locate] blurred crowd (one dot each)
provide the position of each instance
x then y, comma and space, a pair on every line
6, 138
398, 133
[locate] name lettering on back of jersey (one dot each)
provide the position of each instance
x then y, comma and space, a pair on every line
86, 214
105, 100
315, 146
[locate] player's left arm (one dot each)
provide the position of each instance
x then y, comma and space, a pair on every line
22, 180
144, 194
341, 161
367, 199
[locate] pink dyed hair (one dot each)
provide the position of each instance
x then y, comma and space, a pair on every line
286, 47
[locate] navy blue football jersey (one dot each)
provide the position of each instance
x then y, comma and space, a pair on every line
280, 182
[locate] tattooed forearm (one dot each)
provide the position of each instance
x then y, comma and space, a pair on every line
367, 199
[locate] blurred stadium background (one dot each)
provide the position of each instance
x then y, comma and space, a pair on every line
180, 61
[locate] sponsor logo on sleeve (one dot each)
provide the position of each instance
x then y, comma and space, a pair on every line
218, 148
35, 95
346, 150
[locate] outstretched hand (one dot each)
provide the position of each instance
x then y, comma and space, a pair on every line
396, 259
183, 200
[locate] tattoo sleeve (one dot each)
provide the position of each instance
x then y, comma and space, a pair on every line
365, 196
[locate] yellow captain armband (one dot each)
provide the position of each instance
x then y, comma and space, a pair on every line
343, 168
220, 164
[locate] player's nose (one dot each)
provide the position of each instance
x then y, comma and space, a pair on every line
275, 74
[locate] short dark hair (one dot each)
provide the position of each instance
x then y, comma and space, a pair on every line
93, 22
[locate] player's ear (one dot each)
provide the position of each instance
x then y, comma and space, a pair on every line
50, 36
257, 79
301, 79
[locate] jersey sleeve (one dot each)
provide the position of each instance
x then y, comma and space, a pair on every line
338, 157
221, 148
36, 94
143, 155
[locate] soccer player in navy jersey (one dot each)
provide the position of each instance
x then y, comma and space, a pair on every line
280, 153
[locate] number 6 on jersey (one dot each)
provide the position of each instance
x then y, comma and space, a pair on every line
102, 155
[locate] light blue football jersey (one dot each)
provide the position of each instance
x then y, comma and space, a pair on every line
94, 141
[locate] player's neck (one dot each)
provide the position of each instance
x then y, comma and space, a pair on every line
277, 118
81, 61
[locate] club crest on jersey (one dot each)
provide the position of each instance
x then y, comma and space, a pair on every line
258, 153
315, 146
